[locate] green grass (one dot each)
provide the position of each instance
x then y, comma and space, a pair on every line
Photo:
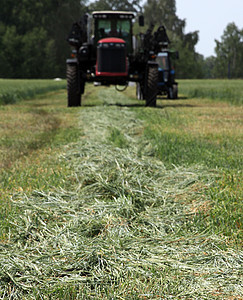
13, 90
102, 209
118, 138
226, 213
226, 90
178, 139
32, 133
199, 132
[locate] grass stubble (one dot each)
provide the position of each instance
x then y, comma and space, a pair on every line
123, 224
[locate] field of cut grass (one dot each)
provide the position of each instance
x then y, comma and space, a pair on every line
12, 91
117, 201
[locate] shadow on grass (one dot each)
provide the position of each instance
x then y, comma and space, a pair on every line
169, 103
175, 105
158, 106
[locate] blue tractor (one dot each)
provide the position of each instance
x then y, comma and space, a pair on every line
157, 45
166, 82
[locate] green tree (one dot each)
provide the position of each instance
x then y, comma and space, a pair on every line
33, 36
123, 5
58, 24
163, 12
11, 52
229, 51
208, 67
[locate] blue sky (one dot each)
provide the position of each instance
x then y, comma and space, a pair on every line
210, 17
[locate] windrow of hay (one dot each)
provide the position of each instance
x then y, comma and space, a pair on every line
126, 228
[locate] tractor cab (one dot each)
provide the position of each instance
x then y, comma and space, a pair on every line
166, 81
113, 24
113, 41
164, 67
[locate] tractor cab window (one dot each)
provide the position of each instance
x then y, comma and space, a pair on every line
163, 61
123, 27
113, 27
104, 28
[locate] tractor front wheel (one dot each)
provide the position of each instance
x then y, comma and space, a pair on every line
151, 85
173, 92
139, 91
73, 86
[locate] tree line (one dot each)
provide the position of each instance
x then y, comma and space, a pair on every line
33, 37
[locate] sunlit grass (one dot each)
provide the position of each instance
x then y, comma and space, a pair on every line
32, 134
196, 135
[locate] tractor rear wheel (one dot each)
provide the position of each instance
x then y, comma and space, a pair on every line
151, 85
73, 86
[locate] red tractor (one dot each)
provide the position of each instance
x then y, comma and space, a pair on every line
106, 52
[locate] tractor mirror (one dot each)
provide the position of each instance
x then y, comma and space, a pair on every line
141, 20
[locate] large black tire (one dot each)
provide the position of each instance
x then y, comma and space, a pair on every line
73, 86
173, 92
151, 85
170, 93
139, 91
